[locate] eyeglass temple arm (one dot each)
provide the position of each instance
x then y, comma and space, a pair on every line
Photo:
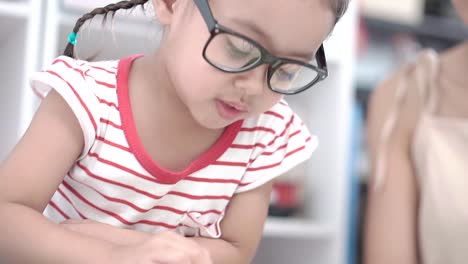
321, 58
206, 13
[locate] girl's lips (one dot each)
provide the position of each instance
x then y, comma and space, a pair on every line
229, 111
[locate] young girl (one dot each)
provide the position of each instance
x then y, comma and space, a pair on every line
418, 131
168, 157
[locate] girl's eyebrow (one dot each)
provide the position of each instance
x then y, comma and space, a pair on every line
254, 27
257, 30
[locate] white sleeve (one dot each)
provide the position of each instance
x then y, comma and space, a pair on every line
68, 77
291, 145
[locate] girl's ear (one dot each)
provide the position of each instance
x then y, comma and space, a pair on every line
164, 10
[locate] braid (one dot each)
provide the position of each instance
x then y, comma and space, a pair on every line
111, 8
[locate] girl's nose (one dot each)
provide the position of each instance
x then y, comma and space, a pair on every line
252, 82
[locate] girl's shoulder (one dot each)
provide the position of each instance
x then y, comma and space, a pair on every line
277, 117
278, 127
278, 140
75, 73
86, 87
84, 67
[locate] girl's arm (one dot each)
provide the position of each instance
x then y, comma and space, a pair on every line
392, 208
28, 179
34, 170
242, 227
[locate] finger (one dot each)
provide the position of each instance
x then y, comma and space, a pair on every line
182, 243
188, 247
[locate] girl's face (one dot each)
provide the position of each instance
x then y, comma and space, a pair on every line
462, 8
287, 28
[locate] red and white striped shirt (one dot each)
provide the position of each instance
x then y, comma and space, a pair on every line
115, 181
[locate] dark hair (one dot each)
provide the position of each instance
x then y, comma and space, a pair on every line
338, 6
105, 11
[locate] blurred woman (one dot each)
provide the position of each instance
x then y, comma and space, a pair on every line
418, 143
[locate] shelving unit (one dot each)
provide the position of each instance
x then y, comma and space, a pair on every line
10, 9
295, 228
321, 233
20, 31
448, 29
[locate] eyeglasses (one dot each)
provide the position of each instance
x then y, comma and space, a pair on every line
232, 52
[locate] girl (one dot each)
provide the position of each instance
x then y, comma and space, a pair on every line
417, 209
168, 157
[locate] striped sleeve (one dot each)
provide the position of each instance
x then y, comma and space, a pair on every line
68, 77
275, 154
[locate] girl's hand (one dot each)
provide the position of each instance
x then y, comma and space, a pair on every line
163, 248
136, 247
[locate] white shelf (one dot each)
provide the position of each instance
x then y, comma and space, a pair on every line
19, 28
296, 228
10, 24
12, 14
14, 8
339, 45
13, 32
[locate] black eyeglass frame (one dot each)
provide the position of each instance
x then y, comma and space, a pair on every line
265, 56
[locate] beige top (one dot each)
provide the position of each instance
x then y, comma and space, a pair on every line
440, 159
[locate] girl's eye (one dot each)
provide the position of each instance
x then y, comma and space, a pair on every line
284, 75
239, 48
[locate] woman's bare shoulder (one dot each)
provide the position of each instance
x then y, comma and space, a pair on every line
401, 95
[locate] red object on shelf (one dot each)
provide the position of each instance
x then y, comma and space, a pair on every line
285, 195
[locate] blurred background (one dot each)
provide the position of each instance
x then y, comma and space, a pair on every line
316, 209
